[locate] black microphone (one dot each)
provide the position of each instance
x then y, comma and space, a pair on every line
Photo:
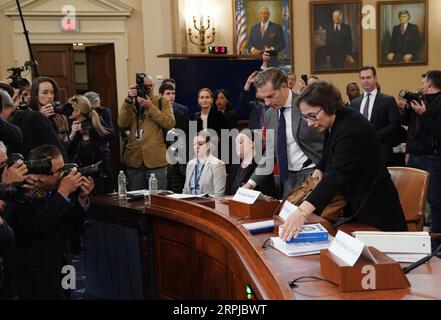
421, 261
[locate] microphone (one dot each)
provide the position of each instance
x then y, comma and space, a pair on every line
421, 261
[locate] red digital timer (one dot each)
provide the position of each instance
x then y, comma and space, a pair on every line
217, 50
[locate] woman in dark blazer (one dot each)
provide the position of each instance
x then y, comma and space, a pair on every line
211, 118
352, 164
242, 172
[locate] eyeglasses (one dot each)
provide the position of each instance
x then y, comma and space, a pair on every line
311, 116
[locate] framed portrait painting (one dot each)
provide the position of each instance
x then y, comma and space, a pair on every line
336, 43
261, 26
402, 33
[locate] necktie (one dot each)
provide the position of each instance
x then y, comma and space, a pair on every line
366, 106
403, 31
262, 31
337, 27
282, 149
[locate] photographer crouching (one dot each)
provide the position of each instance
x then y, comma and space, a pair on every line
89, 139
44, 225
423, 116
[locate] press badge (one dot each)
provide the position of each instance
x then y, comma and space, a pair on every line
139, 134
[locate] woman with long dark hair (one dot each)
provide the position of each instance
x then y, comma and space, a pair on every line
222, 100
45, 98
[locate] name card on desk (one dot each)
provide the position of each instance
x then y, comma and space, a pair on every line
248, 196
350, 249
287, 209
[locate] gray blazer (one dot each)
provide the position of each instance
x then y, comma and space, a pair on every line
213, 179
308, 139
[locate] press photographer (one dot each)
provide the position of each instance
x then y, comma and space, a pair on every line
424, 140
9, 133
34, 129
147, 116
89, 138
43, 229
45, 97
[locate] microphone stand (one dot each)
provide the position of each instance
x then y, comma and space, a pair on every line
33, 62
421, 261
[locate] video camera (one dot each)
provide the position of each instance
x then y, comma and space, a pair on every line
142, 90
93, 170
412, 96
17, 80
43, 166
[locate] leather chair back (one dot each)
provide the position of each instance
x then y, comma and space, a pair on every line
412, 185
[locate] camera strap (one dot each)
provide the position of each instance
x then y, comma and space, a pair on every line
139, 112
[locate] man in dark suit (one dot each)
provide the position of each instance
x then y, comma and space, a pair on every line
44, 227
338, 42
380, 109
405, 43
266, 35
296, 147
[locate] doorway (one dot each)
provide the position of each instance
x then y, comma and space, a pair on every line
79, 68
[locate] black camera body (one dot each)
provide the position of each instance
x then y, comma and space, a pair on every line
86, 125
40, 166
142, 90
16, 78
58, 107
412, 96
93, 170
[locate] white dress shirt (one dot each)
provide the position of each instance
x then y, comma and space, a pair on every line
372, 98
296, 157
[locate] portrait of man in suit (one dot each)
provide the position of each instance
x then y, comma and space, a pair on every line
265, 27
402, 32
405, 43
336, 36
338, 42
266, 35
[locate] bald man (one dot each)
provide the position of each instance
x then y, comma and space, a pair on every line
266, 35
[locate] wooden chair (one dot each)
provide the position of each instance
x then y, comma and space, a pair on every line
412, 185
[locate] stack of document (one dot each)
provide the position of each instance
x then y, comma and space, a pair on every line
301, 248
400, 246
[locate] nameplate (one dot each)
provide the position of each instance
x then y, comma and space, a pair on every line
248, 196
350, 249
287, 209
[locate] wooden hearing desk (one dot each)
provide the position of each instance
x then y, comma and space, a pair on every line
190, 251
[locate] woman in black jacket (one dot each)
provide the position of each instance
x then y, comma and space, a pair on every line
210, 118
351, 164
242, 172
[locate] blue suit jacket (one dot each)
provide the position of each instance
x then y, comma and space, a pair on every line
273, 37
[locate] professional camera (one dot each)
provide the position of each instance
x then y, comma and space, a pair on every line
142, 90
23, 106
58, 107
41, 166
93, 170
17, 80
86, 125
412, 96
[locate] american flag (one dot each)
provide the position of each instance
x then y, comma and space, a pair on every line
241, 25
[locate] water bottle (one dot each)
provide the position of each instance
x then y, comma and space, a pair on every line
122, 190
153, 184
